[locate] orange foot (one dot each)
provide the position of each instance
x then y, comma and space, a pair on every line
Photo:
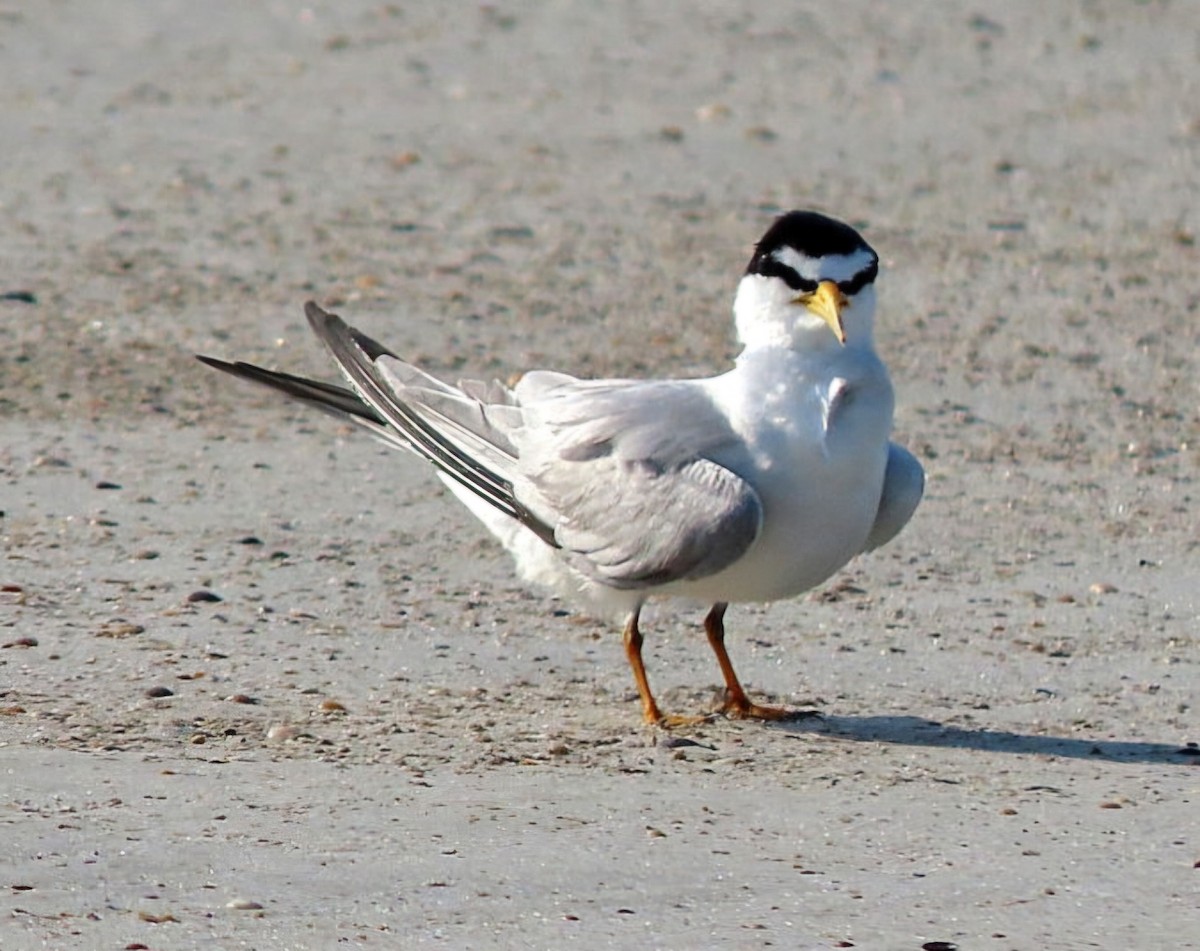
739, 707
670, 721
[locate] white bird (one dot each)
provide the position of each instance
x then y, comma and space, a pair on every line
754, 485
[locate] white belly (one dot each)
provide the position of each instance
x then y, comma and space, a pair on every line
819, 481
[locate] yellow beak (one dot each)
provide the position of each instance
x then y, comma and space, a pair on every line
827, 303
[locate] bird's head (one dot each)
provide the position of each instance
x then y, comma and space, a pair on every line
810, 276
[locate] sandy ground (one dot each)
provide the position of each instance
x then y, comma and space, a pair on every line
376, 738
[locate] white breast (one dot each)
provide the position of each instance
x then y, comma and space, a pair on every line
816, 434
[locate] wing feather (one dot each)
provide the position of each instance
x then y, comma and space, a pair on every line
903, 486
634, 481
631, 471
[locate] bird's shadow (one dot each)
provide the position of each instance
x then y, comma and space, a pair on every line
918, 731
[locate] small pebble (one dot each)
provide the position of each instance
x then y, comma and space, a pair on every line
23, 642
282, 731
198, 739
512, 232
243, 904
331, 706
1102, 587
120, 629
207, 597
762, 133
241, 698
155, 692
713, 111
107, 485
676, 742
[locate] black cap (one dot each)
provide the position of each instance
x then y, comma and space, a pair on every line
813, 235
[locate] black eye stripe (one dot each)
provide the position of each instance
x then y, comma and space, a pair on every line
772, 268
769, 267
813, 236
860, 280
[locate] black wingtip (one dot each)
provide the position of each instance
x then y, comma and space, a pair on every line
324, 396
316, 316
214, 362
327, 325
374, 403
246, 371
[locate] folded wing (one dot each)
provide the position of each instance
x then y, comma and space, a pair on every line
630, 470
620, 475
903, 486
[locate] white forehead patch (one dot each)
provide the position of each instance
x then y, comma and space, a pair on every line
830, 267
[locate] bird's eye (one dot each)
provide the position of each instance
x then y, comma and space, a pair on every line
771, 266
860, 280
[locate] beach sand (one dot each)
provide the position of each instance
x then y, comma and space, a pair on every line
377, 737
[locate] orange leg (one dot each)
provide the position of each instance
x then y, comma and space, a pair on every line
633, 651
737, 704
650, 712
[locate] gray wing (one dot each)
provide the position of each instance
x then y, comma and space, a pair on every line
621, 474
628, 470
903, 486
